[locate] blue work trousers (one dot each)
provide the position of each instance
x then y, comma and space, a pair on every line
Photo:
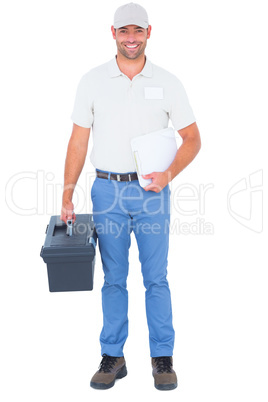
118, 209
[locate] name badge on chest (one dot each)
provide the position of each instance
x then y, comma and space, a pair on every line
153, 93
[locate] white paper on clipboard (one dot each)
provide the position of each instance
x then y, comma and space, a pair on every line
153, 152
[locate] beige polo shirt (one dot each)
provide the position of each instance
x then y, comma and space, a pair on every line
117, 109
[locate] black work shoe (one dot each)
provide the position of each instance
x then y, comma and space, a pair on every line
164, 376
110, 369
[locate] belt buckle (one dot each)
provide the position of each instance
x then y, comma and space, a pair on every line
118, 177
129, 177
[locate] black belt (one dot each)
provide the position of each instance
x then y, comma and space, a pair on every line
118, 177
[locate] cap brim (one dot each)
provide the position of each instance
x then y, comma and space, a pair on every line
124, 23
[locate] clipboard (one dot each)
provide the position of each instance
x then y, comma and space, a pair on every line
153, 152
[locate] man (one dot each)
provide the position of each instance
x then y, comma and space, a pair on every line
124, 98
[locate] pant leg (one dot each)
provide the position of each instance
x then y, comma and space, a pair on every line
112, 226
151, 228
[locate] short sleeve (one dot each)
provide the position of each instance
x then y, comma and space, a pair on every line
180, 113
82, 114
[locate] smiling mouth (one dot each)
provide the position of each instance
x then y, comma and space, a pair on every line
131, 46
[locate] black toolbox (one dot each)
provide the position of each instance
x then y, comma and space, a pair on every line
69, 252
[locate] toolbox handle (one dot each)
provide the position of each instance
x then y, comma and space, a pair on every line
69, 231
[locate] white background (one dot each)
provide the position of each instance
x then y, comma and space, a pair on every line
49, 341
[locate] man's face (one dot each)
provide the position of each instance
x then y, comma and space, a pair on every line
131, 40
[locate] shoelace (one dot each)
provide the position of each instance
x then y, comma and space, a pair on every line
163, 364
107, 363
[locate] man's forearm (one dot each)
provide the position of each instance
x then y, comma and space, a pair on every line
74, 163
184, 156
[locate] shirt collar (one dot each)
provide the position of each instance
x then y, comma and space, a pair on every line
114, 70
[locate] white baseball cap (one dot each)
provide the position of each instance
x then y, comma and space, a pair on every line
131, 14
